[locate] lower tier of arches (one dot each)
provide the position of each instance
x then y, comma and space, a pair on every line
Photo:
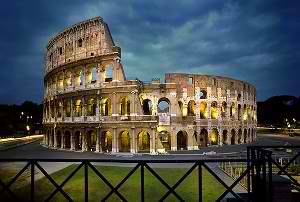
143, 140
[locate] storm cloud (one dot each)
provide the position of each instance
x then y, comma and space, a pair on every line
257, 41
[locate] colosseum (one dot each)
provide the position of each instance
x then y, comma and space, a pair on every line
89, 105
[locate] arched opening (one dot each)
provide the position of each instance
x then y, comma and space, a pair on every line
180, 105
147, 107
165, 139
105, 107
59, 109
94, 75
106, 141
232, 110
124, 141
245, 136
78, 108
214, 137
192, 108
182, 140
239, 112
203, 110
68, 78
240, 136
68, 108
163, 105
58, 139
232, 141
108, 73
223, 109
124, 106
203, 140
225, 137
78, 140
203, 94
245, 113
91, 107
143, 141
249, 135
79, 77
91, 140
67, 139
239, 97
60, 81
214, 110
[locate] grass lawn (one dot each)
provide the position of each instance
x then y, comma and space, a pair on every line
154, 190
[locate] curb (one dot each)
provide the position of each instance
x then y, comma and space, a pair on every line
19, 145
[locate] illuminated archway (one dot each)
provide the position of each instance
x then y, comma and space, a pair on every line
68, 108
106, 141
91, 107
191, 108
245, 113
78, 108
105, 107
232, 109
182, 140
214, 136
223, 109
165, 139
124, 106
214, 110
124, 141
143, 141
203, 110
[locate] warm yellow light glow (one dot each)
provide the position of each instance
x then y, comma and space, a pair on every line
214, 137
214, 110
161, 128
203, 110
28, 127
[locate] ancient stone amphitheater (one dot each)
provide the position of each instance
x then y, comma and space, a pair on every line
89, 105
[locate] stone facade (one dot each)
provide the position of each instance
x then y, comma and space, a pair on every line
89, 105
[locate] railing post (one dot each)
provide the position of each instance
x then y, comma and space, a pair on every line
142, 183
200, 181
32, 181
270, 176
86, 182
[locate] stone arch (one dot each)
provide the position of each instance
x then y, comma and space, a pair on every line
108, 74
67, 139
182, 138
143, 143
232, 140
214, 110
180, 105
147, 107
106, 107
191, 108
165, 139
124, 108
59, 109
249, 135
91, 140
58, 138
223, 109
240, 140
106, 141
78, 140
203, 140
79, 77
246, 136
214, 136
67, 107
163, 105
245, 113
91, 107
239, 112
232, 109
203, 110
225, 136
124, 141
68, 78
78, 108
60, 81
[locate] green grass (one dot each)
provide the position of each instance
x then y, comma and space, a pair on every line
154, 190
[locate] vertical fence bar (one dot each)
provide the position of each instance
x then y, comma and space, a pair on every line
142, 183
200, 181
32, 181
270, 177
248, 174
86, 182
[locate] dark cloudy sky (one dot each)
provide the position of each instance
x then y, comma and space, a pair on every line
257, 41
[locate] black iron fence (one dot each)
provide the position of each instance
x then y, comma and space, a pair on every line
258, 174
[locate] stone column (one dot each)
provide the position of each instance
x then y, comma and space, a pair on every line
173, 141
197, 110
55, 137
114, 141
63, 142
133, 141
152, 141
190, 141
84, 141
114, 104
72, 140
98, 139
